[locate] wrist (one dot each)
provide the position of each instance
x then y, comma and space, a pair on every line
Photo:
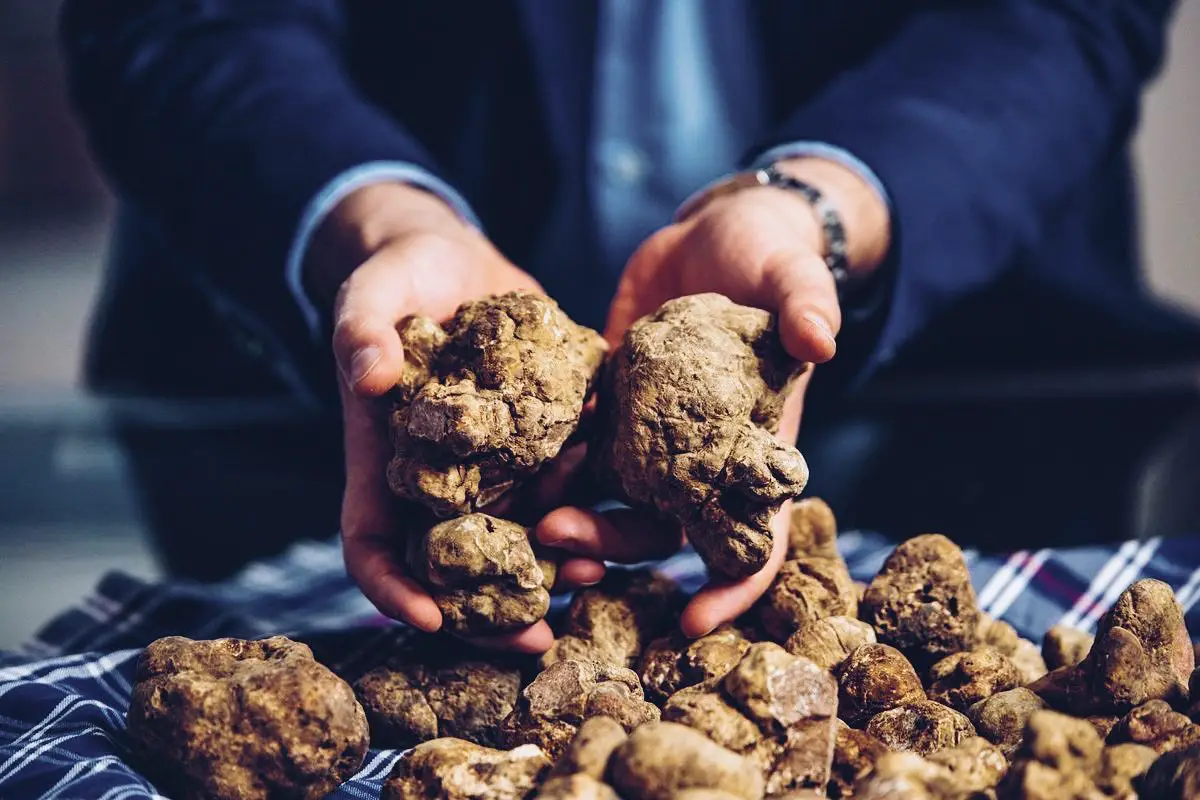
364, 222
864, 214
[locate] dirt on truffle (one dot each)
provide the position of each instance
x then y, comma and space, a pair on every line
485, 400
689, 404
242, 720
675, 662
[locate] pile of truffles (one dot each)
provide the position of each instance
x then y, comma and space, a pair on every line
909, 693
686, 412
900, 689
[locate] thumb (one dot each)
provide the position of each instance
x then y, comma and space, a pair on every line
366, 342
805, 295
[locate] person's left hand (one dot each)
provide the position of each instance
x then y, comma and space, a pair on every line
761, 247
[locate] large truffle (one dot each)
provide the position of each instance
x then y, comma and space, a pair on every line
552, 707
453, 769
243, 720
806, 590
675, 662
414, 698
830, 641
486, 400
922, 601
1142, 652
661, 759
613, 621
483, 574
690, 402
875, 678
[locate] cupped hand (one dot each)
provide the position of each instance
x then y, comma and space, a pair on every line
760, 247
388, 252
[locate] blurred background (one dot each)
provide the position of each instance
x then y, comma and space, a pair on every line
67, 510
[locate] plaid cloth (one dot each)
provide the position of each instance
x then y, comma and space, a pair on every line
63, 698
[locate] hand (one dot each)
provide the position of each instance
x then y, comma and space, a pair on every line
387, 252
761, 247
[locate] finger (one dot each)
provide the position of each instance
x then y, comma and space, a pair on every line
533, 640
805, 294
576, 573
793, 409
720, 602
370, 534
623, 535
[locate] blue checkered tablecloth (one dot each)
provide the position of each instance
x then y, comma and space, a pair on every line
63, 697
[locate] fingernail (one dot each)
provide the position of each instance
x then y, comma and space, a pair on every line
822, 325
362, 362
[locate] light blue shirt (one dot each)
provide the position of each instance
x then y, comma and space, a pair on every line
678, 96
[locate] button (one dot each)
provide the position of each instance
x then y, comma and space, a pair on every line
623, 163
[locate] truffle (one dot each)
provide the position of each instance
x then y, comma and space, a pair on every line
804, 591
1175, 776
963, 679
1059, 758
660, 759
613, 621
483, 574
875, 678
812, 530
922, 727
829, 641
1065, 646
409, 702
552, 707
675, 662
1156, 725
690, 402
1001, 718
453, 769
922, 601
854, 755
484, 402
243, 720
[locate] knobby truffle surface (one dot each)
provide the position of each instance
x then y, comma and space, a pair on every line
484, 401
453, 769
690, 401
243, 720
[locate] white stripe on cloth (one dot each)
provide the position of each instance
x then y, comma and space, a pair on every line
1122, 582
1187, 594
1000, 578
73, 776
33, 751
1019, 584
1116, 562
91, 667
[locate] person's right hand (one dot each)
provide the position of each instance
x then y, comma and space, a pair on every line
386, 252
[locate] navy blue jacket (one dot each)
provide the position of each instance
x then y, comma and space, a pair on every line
999, 127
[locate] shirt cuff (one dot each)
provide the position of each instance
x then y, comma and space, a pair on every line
829, 153
334, 192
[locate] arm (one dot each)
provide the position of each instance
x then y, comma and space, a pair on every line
980, 118
225, 119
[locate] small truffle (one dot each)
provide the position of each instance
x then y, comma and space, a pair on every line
922, 601
854, 755
1120, 766
589, 751
828, 642
484, 402
483, 574
1024, 654
875, 678
812, 530
963, 679
409, 702
1175, 776
613, 621
1001, 718
661, 758
975, 764
804, 591
454, 769
1155, 724
675, 662
1065, 646
552, 707
1059, 758
968, 770
922, 727
690, 402
243, 720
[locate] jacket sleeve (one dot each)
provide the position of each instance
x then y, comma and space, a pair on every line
980, 118
223, 119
